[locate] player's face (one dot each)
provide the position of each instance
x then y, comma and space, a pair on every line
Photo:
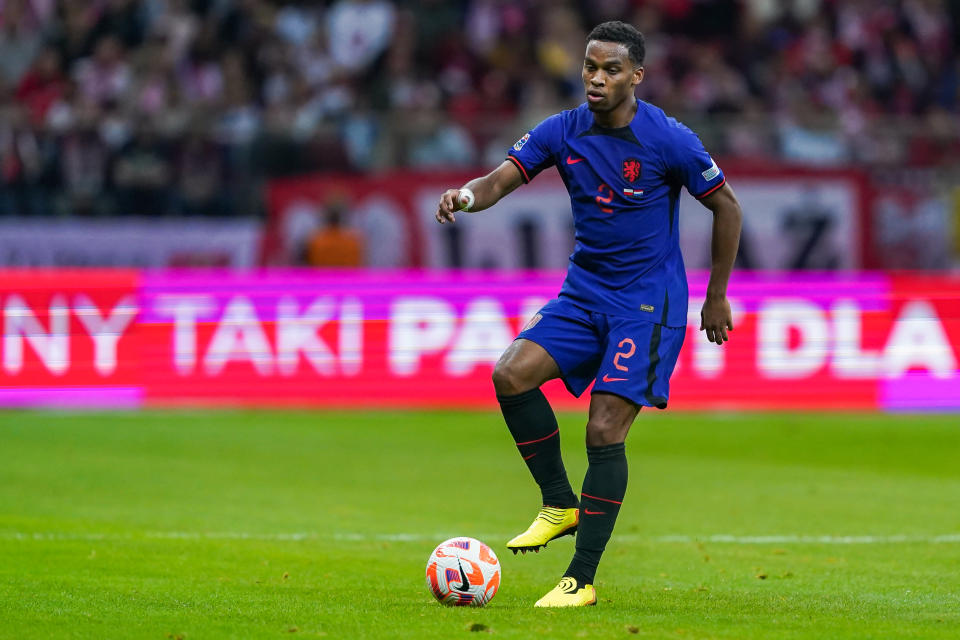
609, 75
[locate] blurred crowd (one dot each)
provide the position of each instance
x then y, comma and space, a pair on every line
180, 106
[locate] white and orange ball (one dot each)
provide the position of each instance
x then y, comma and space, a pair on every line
463, 572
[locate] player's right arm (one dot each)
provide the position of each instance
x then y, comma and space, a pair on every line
487, 191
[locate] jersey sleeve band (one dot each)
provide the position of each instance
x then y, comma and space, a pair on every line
523, 172
711, 190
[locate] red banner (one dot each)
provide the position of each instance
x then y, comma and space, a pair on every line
430, 339
70, 337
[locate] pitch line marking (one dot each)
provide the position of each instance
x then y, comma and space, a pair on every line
949, 538
807, 539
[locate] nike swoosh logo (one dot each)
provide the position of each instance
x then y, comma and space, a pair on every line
589, 513
607, 378
464, 583
570, 160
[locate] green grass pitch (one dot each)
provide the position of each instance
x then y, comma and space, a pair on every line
314, 524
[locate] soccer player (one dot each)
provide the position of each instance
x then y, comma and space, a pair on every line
620, 317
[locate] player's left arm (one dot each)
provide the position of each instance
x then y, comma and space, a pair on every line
715, 316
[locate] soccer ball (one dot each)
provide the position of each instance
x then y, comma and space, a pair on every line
462, 572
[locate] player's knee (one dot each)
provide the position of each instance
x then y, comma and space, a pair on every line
509, 379
606, 430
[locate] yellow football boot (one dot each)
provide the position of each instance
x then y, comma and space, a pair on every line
551, 523
569, 594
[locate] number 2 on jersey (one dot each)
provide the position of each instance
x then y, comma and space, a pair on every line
606, 197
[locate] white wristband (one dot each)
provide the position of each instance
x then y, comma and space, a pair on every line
465, 199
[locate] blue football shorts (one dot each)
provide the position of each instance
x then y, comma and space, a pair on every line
628, 357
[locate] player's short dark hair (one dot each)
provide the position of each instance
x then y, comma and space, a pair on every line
622, 33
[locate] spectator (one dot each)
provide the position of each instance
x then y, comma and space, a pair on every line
22, 164
176, 29
105, 76
142, 174
201, 173
359, 31
334, 245
123, 19
20, 41
201, 76
438, 142
72, 31
42, 85
84, 162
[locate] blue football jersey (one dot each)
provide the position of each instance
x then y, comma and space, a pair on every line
624, 187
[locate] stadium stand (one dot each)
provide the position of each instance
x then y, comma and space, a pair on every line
185, 106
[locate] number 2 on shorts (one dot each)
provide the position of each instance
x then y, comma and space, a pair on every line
624, 354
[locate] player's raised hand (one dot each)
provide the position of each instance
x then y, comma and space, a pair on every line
450, 203
716, 318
